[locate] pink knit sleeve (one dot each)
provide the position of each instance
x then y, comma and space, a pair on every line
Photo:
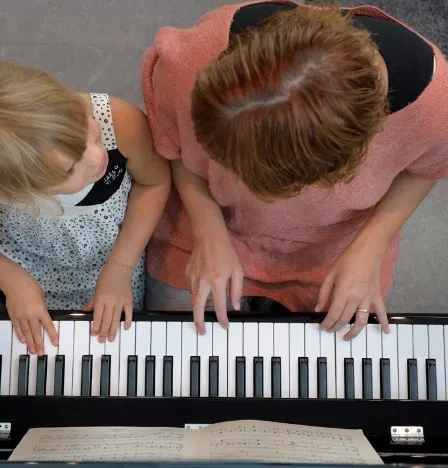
433, 164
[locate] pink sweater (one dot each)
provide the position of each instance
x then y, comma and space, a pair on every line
287, 247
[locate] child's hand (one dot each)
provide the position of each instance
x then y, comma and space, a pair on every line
26, 306
113, 294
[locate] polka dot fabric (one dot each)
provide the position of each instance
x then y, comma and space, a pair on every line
65, 253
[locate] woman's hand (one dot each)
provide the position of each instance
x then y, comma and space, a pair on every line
353, 283
113, 294
213, 263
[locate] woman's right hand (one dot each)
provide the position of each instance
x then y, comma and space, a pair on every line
25, 303
212, 264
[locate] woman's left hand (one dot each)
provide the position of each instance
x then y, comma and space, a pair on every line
113, 295
353, 283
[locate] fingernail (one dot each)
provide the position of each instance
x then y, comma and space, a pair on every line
237, 306
101, 339
32, 350
22, 340
111, 338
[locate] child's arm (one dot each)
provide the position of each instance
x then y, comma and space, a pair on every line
147, 199
26, 306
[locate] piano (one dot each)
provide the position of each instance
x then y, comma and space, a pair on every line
274, 367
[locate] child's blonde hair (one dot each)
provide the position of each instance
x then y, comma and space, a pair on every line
38, 116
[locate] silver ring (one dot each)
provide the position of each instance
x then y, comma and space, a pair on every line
364, 311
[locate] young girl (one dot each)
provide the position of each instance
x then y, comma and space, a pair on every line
81, 191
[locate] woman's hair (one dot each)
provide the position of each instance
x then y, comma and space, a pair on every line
292, 102
38, 117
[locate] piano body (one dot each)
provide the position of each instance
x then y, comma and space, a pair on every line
277, 367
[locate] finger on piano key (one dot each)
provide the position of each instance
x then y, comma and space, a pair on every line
127, 348
142, 349
322, 380
276, 372
250, 351
390, 351
195, 376
220, 336
349, 378
205, 351
81, 347
437, 352
235, 349
51, 351
385, 378
367, 381
266, 351
17, 349
213, 384
412, 379
131, 390
312, 352
296, 350
66, 349
303, 377
174, 349
158, 350
150, 376
97, 351
105, 376
421, 347
374, 352
405, 352
359, 351
167, 376
23, 373
6, 332
281, 350
431, 379
86, 375
41, 378
327, 352
343, 351
258, 377
59, 375
189, 349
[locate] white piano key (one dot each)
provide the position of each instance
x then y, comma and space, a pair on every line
158, 350
17, 349
328, 350
66, 344
174, 348
6, 332
51, 351
405, 352
343, 351
142, 349
205, 351
112, 349
81, 347
189, 348
296, 350
266, 351
436, 351
421, 348
250, 351
359, 351
220, 336
97, 350
235, 348
312, 352
390, 351
281, 350
127, 348
374, 351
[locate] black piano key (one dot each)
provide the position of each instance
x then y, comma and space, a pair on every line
385, 379
59, 375
367, 384
349, 378
105, 375
412, 379
213, 376
322, 377
86, 375
276, 376
303, 377
167, 376
41, 377
150, 376
431, 379
258, 377
195, 376
240, 381
24, 367
132, 376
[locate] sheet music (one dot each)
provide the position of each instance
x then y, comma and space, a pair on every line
105, 444
267, 441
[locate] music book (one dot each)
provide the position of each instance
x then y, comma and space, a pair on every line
249, 440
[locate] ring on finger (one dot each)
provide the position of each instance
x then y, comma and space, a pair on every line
362, 310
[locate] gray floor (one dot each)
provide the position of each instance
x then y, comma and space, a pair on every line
96, 45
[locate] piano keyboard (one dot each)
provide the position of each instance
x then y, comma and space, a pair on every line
165, 357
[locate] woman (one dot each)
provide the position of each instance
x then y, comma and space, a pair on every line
301, 139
